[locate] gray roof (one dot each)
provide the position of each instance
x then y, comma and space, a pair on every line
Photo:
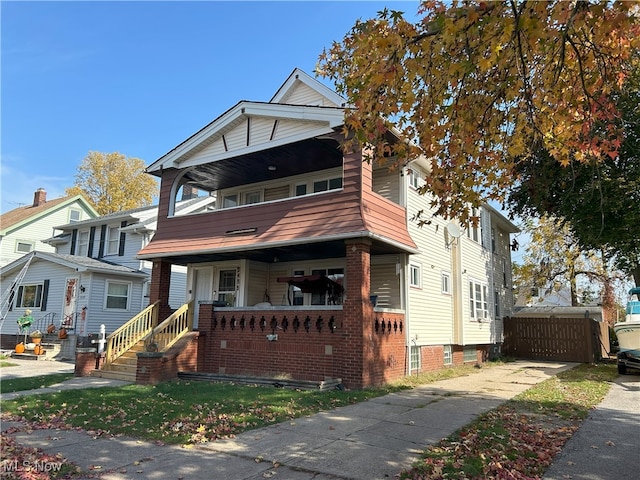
80, 264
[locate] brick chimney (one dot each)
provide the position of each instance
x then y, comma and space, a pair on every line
40, 197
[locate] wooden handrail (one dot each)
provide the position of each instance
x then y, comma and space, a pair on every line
131, 333
171, 330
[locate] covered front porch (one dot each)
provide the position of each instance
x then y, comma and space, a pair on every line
338, 336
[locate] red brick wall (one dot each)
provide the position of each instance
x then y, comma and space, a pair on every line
158, 367
303, 355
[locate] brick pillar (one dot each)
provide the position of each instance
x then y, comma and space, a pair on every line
205, 327
160, 284
357, 311
85, 362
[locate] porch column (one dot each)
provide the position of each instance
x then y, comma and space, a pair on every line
159, 289
358, 313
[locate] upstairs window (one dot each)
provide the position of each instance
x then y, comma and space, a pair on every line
328, 184
478, 301
446, 283
113, 240
415, 277
230, 201
75, 215
416, 180
83, 244
24, 246
252, 197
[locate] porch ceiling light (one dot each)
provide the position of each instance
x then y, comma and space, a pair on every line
271, 168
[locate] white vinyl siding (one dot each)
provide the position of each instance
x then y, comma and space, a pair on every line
35, 232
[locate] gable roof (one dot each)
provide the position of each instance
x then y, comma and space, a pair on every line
75, 262
302, 108
21, 216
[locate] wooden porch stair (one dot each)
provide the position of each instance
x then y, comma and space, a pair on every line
124, 367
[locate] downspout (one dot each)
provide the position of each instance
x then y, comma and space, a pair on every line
456, 269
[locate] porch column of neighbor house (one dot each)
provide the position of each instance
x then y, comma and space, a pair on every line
358, 312
159, 289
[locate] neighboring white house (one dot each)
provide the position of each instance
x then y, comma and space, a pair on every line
23, 229
93, 278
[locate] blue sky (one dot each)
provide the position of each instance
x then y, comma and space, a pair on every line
140, 77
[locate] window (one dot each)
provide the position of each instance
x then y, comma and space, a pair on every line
328, 297
469, 354
415, 279
448, 357
496, 299
227, 280
324, 185
446, 283
298, 296
83, 244
415, 357
117, 295
415, 178
478, 301
24, 246
493, 240
29, 296
301, 189
473, 230
230, 201
252, 197
113, 240
75, 215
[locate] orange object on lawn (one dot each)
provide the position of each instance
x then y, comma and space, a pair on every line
20, 348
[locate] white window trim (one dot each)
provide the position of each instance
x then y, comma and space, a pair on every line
76, 210
109, 242
448, 355
31, 243
484, 300
82, 248
415, 267
106, 295
447, 290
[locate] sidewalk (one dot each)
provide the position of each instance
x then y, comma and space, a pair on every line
367, 441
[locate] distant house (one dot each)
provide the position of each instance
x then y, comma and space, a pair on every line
93, 278
312, 264
23, 229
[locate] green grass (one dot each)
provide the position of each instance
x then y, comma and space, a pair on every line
522, 435
31, 383
190, 411
5, 361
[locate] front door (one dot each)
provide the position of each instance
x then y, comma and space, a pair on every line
69, 307
227, 286
202, 288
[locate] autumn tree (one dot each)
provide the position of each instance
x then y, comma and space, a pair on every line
555, 260
114, 182
600, 200
474, 85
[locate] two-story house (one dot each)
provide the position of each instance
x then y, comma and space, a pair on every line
93, 277
312, 264
23, 229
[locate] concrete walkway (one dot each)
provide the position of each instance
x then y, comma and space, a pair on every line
367, 441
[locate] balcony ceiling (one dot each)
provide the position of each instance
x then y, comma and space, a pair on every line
292, 253
293, 159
